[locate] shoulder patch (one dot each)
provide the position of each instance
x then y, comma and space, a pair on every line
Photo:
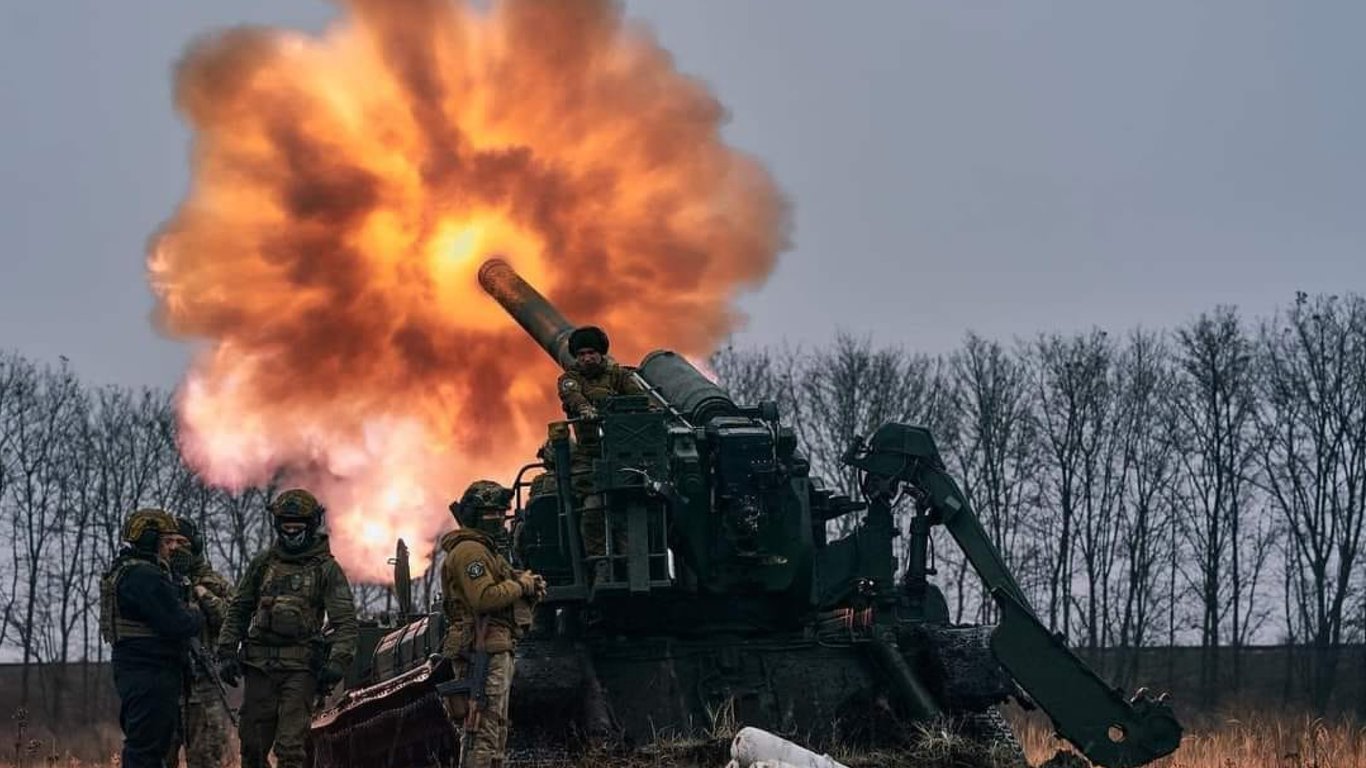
568, 384
475, 569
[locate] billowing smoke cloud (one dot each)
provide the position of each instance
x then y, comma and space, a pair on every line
346, 189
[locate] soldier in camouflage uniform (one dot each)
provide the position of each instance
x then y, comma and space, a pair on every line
484, 599
277, 618
203, 723
144, 617
583, 387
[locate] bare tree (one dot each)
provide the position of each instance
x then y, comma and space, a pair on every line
1072, 390
1101, 490
997, 459
1215, 406
14, 370
72, 571
751, 376
128, 457
1313, 417
1144, 517
242, 529
851, 389
45, 423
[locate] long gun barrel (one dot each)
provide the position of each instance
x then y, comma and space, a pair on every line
537, 316
668, 376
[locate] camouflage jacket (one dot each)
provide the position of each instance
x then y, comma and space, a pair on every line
476, 580
278, 612
579, 390
213, 600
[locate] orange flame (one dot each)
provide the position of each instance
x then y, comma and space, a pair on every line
346, 189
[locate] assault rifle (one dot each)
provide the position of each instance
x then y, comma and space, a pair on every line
203, 664
200, 661
473, 687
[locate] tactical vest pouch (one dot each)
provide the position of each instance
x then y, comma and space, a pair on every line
454, 641
456, 704
287, 610
471, 676
282, 617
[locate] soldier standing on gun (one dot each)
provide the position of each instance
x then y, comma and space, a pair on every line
143, 616
203, 725
583, 387
488, 607
277, 618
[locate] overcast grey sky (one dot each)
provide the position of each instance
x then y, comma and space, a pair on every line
1007, 167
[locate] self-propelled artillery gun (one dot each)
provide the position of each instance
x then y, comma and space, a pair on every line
724, 593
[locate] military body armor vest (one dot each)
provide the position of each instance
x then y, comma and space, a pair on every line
289, 607
114, 626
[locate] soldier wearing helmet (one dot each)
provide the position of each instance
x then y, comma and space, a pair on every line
273, 633
204, 724
144, 618
591, 379
488, 607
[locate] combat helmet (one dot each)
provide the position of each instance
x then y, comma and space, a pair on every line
296, 506
482, 506
183, 559
190, 530
145, 526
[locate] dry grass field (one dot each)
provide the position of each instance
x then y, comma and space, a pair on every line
1249, 741
1258, 731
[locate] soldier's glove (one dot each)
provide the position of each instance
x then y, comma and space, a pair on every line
527, 581
229, 668
198, 613
588, 413
540, 587
331, 674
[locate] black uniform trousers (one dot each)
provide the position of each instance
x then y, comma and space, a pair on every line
149, 709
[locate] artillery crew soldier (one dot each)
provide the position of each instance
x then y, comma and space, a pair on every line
591, 379
277, 618
203, 723
144, 618
488, 606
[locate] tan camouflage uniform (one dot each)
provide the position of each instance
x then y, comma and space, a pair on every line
582, 393
477, 581
204, 723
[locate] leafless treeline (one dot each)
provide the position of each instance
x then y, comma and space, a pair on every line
1204, 485
74, 461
